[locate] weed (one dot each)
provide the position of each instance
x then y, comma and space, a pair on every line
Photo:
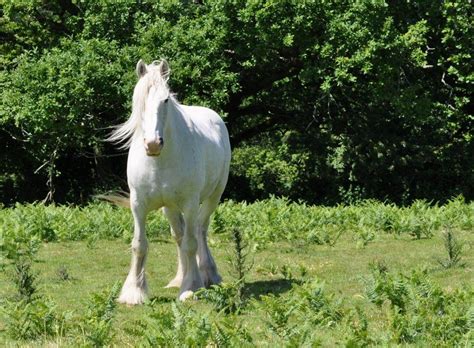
383, 286
363, 235
263, 222
286, 272
226, 298
229, 332
303, 270
240, 264
278, 313
62, 273
270, 269
96, 325
24, 280
177, 326
318, 308
453, 248
30, 320
420, 311
358, 333
239, 260
229, 297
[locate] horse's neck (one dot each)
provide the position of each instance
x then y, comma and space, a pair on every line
177, 134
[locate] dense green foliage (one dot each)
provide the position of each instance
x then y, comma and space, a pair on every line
326, 101
263, 223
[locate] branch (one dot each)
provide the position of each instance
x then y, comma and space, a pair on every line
272, 117
291, 68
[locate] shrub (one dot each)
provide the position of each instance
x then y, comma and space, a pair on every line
421, 311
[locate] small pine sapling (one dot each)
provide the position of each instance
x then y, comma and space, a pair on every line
454, 249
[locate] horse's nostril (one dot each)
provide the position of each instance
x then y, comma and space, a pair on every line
160, 140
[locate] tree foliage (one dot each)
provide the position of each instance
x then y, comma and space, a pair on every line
326, 101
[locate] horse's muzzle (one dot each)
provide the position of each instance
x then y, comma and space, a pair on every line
153, 147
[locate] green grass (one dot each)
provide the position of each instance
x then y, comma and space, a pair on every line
341, 267
313, 279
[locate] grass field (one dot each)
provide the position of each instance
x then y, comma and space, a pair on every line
297, 293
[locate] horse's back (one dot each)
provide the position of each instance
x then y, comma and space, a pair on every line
210, 127
215, 146
208, 122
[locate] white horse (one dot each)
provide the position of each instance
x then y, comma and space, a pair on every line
178, 160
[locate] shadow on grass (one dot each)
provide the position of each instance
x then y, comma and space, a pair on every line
161, 240
265, 287
162, 299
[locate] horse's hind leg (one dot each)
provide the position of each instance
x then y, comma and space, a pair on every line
176, 221
191, 276
134, 290
207, 266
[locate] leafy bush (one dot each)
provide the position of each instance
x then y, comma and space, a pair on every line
421, 311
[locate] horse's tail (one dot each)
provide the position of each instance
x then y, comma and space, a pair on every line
121, 199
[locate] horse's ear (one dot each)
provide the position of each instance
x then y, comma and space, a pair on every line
141, 68
165, 69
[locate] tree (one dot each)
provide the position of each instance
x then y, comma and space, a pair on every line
326, 101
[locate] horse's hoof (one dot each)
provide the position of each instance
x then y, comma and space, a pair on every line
211, 279
209, 276
132, 296
186, 295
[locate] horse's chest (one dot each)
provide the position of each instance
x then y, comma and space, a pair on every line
165, 187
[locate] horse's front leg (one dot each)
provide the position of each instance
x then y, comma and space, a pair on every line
135, 290
188, 248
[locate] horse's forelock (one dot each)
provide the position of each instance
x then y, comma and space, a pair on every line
152, 78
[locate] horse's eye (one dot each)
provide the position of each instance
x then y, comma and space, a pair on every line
166, 100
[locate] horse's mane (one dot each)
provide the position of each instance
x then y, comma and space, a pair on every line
125, 132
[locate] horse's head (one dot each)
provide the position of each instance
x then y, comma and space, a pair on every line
150, 99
